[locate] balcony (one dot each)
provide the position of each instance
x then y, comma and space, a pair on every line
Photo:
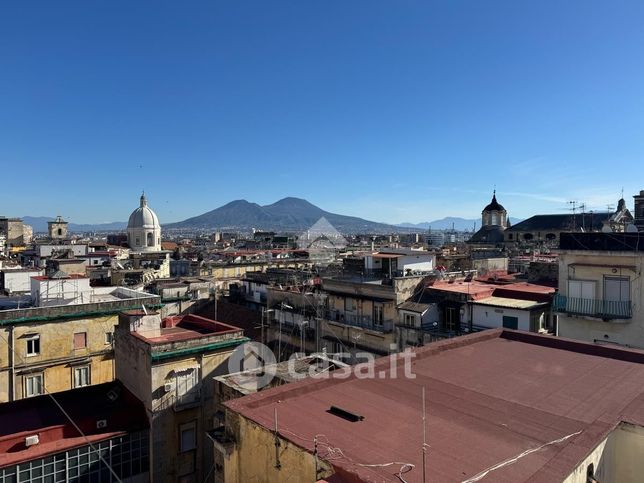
603, 309
362, 321
188, 400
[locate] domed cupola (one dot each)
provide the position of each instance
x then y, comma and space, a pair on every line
143, 229
494, 214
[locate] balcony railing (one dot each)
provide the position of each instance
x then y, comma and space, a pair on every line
605, 309
362, 321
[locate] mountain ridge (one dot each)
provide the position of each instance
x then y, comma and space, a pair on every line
287, 214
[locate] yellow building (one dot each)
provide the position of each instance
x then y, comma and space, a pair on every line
600, 288
60, 347
169, 365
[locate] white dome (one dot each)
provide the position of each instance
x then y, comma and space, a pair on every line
143, 229
143, 216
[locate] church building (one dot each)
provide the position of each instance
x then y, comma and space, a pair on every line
143, 229
494, 222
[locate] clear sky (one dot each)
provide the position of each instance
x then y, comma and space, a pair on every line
394, 111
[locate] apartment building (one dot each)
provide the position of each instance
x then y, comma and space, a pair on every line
169, 364
62, 338
600, 288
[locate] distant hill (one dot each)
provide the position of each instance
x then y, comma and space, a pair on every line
39, 224
288, 214
460, 224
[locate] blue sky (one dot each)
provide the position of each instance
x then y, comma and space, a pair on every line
394, 111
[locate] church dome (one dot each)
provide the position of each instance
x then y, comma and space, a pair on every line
143, 216
143, 229
494, 205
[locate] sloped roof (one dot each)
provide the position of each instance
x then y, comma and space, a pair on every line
562, 222
494, 205
490, 395
491, 234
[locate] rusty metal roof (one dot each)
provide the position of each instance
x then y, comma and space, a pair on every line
490, 397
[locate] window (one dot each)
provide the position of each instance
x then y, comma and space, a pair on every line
581, 289
186, 381
510, 322
410, 319
33, 344
349, 304
377, 314
188, 437
150, 239
33, 385
617, 289
81, 376
109, 338
137, 241
80, 340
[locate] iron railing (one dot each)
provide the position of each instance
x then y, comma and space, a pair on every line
605, 309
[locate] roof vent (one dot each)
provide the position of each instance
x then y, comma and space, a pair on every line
344, 414
31, 440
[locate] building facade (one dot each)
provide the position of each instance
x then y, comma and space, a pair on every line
600, 289
169, 365
61, 347
57, 228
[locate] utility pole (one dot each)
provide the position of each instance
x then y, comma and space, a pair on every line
424, 440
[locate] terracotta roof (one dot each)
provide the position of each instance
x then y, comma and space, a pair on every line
490, 397
111, 402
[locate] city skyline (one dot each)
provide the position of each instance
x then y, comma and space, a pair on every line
405, 114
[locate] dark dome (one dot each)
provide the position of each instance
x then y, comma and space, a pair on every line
494, 205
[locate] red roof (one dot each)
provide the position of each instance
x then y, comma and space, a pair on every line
40, 416
477, 290
187, 327
490, 397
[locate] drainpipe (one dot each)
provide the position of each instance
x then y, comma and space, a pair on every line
12, 359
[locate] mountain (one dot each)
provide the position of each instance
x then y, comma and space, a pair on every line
460, 224
288, 214
39, 224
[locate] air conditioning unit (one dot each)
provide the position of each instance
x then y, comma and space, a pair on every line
101, 423
31, 440
167, 387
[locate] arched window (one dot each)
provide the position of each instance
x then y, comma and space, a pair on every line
528, 236
150, 240
60, 231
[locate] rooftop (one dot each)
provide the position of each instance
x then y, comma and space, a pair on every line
508, 303
617, 242
490, 396
559, 222
288, 371
185, 328
477, 290
101, 300
111, 402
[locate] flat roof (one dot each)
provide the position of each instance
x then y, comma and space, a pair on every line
187, 327
508, 303
111, 402
490, 397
